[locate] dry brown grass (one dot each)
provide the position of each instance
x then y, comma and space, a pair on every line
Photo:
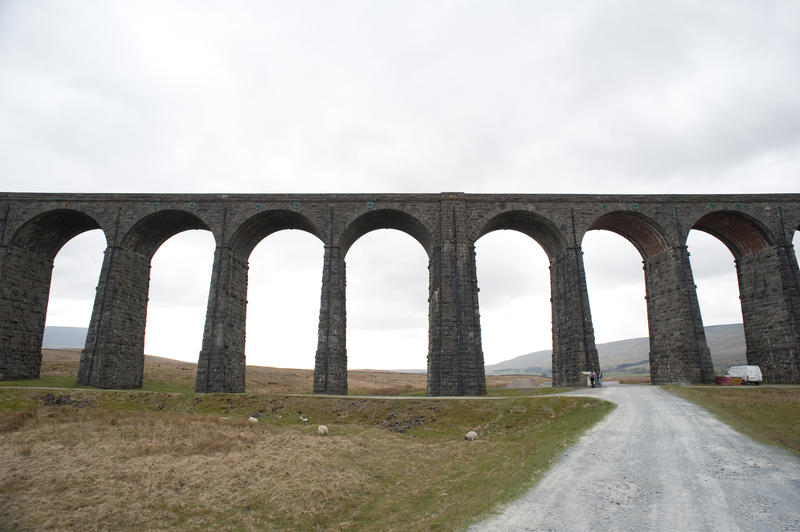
15, 419
97, 468
142, 471
64, 362
500, 381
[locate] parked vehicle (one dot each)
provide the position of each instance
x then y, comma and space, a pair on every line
748, 374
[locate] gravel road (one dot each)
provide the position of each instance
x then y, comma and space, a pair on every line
658, 462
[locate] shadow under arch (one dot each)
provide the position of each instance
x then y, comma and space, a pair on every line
644, 233
256, 228
532, 224
742, 234
147, 235
26, 277
386, 219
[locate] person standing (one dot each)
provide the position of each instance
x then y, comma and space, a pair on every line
592, 378
599, 378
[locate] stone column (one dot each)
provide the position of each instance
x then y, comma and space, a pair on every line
330, 366
769, 287
114, 353
455, 356
574, 348
678, 349
24, 292
221, 365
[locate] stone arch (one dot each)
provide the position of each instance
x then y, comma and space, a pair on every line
147, 235
678, 348
572, 334
641, 231
113, 356
256, 228
26, 275
532, 224
742, 234
46, 233
221, 366
768, 291
386, 219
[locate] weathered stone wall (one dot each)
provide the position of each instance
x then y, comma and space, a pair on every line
330, 368
678, 348
574, 348
114, 353
221, 365
455, 357
24, 292
771, 312
757, 228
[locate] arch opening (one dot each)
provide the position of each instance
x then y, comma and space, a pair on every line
180, 273
283, 293
536, 226
514, 302
387, 302
28, 266
76, 270
386, 219
796, 245
718, 298
742, 234
616, 289
255, 229
644, 233
152, 231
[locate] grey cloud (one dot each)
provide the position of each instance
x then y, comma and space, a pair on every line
606, 97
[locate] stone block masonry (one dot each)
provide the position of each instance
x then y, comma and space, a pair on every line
758, 230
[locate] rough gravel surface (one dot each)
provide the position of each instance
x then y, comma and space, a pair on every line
658, 462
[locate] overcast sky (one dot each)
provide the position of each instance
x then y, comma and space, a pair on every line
300, 96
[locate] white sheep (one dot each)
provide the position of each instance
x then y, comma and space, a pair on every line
253, 419
471, 436
322, 430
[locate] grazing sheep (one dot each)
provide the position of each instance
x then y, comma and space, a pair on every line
253, 419
471, 436
322, 430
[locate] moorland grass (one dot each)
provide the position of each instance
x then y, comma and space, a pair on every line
768, 414
60, 367
139, 460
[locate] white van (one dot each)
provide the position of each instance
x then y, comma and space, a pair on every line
749, 374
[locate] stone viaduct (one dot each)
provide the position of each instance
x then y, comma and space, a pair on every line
758, 230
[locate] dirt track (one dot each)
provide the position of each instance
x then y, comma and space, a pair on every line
659, 462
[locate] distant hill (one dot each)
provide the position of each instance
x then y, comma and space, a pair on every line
64, 337
624, 356
632, 356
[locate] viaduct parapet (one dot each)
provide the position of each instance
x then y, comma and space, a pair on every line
758, 230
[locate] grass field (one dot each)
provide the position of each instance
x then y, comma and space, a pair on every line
768, 414
60, 367
123, 460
